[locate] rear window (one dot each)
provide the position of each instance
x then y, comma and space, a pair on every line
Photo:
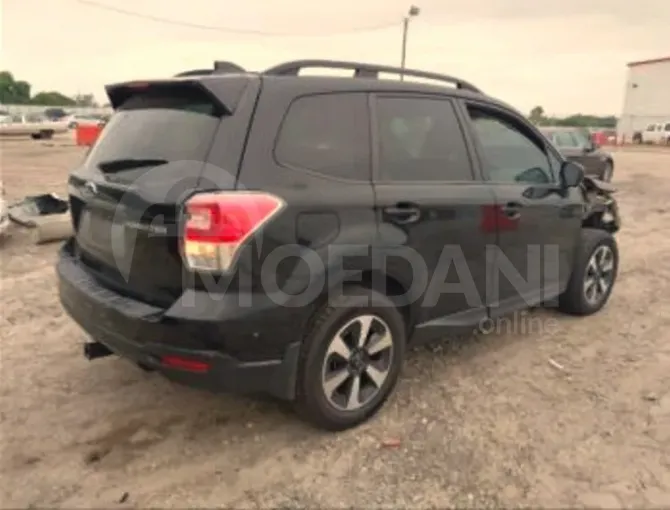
328, 134
157, 126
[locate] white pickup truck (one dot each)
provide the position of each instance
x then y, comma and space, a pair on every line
658, 133
35, 126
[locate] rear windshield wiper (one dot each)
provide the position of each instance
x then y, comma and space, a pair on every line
117, 165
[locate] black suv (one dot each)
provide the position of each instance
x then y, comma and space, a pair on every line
292, 235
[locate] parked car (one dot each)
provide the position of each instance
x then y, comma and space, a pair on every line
658, 134
576, 145
55, 114
79, 119
353, 185
34, 125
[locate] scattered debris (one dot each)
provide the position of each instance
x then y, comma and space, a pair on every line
46, 214
53, 228
124, 497
391, 443
557, 365
27, 211
651, 397
93, 457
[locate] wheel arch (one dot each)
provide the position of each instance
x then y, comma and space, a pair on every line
384, 282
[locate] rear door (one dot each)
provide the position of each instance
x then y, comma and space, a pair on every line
126, 195
432, 210
309, 145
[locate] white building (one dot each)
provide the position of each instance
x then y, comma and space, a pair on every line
647, 96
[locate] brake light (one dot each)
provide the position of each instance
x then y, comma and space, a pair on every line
138, 85
218, 224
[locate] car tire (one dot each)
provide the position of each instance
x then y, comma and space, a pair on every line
607, 172
46, 134
331, 362
593, 275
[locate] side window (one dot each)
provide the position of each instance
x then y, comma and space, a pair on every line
555, 163
565, 139
583, 138
651, 127
328, 134
509, 155
420, 139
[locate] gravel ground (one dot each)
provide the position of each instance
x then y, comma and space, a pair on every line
548, 411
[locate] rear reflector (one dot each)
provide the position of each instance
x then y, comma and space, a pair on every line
218, 224
186, 364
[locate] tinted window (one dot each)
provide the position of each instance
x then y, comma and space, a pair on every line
583, 138
509, 154
327, 134
565, 139
157, 126
555, 163
667, 127
420, 140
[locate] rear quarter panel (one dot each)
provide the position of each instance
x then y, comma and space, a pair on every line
328, 224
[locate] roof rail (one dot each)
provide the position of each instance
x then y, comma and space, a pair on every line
220, 67
362, 70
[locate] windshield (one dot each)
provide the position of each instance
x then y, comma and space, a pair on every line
155, 128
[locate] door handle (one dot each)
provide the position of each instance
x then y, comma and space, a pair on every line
404, 213
512, 210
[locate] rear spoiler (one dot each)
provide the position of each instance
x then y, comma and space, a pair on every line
225, 93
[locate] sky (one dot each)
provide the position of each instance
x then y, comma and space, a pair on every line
568, 56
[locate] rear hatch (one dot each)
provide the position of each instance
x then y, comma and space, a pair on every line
126, 197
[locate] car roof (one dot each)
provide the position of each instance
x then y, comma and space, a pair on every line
347, 84
365, 78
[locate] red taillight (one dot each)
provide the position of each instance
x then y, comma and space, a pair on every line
218, 224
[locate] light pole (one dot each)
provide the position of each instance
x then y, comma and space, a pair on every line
413, 11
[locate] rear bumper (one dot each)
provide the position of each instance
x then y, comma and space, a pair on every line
147, 335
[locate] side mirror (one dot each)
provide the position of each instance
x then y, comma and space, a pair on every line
572, 174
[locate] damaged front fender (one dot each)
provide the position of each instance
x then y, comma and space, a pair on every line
601, 209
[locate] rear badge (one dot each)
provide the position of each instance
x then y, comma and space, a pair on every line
151, 229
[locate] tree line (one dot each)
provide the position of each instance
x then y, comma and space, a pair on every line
13, 91
538, 117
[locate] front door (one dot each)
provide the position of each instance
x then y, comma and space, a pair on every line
538, 221
430, 205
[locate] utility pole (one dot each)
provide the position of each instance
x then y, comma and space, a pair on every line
413, 11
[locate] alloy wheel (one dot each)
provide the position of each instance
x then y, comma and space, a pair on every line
357, 362
599, 275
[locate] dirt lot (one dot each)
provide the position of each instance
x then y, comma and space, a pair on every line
574, 412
